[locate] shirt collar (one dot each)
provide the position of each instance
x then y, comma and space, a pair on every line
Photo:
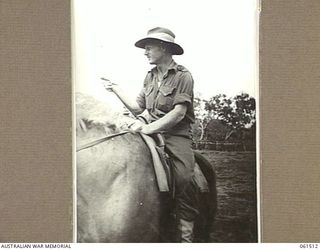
172, 66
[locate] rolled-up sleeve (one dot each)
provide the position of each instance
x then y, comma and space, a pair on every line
141, 99
184, 92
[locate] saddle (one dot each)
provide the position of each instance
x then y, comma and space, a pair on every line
163, 166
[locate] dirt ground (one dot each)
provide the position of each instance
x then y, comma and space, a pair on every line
236, 219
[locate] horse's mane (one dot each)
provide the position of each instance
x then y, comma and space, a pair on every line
92, 113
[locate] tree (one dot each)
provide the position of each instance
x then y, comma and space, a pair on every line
219, 107
224, 118
216, 130
245, 111
237, 112
201, 118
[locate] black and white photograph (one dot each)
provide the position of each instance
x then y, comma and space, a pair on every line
165, 97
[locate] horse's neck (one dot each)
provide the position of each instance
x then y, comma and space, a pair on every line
87, 130
92, 133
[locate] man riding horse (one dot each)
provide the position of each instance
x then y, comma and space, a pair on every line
166, 103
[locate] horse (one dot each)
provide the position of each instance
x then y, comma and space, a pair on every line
117, 194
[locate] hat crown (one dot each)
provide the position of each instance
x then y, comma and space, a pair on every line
163, 34
161, 30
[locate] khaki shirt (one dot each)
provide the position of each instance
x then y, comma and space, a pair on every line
175, 88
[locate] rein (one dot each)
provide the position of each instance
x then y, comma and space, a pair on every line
96, 142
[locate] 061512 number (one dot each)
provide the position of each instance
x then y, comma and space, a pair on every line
309, 246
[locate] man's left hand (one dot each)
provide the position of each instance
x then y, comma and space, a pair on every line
139, 126
146, 129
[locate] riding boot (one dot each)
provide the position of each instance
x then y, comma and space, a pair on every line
186, 231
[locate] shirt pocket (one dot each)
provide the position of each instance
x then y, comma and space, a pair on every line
149, 97
166, 98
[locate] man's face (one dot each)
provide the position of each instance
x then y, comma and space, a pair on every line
154, 53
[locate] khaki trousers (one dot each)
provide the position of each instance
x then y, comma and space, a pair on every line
186, 191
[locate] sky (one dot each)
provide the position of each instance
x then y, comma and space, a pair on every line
219, 38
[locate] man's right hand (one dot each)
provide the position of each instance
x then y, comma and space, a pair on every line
107, 84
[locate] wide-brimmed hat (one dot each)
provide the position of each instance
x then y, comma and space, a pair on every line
163, 35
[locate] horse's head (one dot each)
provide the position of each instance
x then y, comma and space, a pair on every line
95, 118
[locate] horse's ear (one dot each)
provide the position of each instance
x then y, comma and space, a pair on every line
81, 125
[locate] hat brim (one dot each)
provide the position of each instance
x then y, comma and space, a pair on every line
176, 49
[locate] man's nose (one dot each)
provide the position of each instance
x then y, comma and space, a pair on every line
146, 52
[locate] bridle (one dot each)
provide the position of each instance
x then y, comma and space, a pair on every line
98, 141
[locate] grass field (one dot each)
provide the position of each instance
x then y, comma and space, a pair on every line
236, 219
